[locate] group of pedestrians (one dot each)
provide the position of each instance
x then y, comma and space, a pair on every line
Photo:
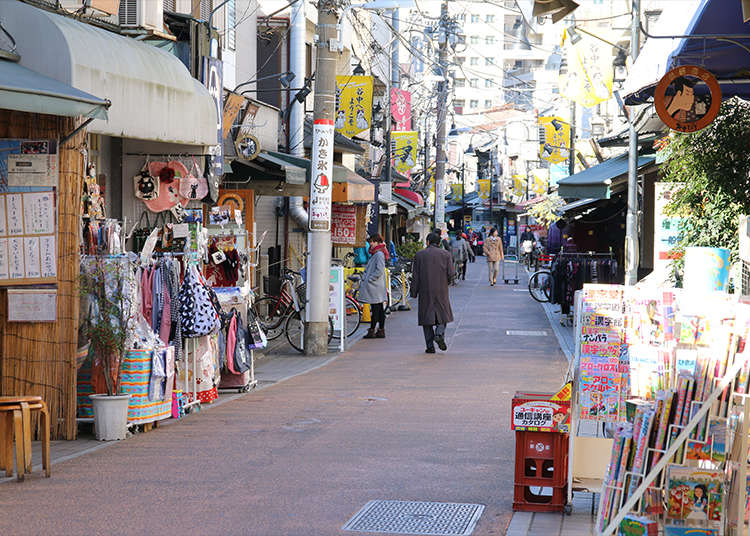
435, 268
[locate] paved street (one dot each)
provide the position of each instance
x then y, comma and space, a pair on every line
300, 457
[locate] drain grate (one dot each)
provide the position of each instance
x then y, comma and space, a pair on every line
526, 333
416, 517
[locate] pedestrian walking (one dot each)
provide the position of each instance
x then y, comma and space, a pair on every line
444, 243
469, 248
372, 288
460, 252
432, 273
493, 250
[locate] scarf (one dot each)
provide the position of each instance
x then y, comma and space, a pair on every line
380, 247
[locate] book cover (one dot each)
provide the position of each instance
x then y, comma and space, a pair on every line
633, 525
714, 449
694, 495
671, 530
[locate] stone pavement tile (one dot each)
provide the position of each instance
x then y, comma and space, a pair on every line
520, 523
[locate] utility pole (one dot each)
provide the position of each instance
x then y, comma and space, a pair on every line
442, 112
631, 219
321, 183
572, 142
463, 195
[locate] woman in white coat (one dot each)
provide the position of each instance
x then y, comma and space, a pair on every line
372, 288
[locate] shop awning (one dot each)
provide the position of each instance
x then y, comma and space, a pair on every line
341, 143
411, 195
152, 93
596, 181
727, 60
28, 91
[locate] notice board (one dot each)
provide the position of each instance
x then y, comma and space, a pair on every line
28, 239
32, 305
348, 225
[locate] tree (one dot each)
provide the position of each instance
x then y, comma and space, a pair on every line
713, 167
547, 212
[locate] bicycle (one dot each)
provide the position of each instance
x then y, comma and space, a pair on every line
541, 284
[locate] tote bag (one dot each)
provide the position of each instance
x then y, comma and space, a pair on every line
197, 313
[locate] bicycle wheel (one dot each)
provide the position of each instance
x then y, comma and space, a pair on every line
540, 285
353, 317
397, 291
294, 328
270, 312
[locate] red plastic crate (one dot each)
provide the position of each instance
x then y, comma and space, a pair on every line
539, 498
541, 459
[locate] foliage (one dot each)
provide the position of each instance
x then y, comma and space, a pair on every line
547, 212
107, 315
408, 249
713, 165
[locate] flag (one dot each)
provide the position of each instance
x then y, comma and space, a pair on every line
404, 150
554, 139
588, 80
401, 109
354, 109
484, 189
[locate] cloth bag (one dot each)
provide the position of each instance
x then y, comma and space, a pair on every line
256, 337
146, 186
169, 191
241, 352
194, 187
197, 314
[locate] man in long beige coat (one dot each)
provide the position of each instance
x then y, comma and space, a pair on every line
493, 250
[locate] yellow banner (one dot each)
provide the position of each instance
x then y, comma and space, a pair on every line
554, 139
590, 72
484, 189
404, 150
539, 182
457, 192
519, 186
354, 98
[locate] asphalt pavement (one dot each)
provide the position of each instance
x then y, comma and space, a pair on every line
301, 456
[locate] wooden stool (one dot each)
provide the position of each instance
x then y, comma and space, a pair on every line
15, 421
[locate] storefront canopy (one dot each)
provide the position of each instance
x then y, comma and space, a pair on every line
414, 197
596, 181
719, 43
27, 91
152, 93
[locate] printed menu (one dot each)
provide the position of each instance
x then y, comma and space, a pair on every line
28, 249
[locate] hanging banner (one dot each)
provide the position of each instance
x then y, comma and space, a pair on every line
554, 139
666, 228
354, 110
590, 72
321, 174
678, 105
483, 186
213, 79
457, 192
539, 182
400, 109
519, 186
404, 150
232, 106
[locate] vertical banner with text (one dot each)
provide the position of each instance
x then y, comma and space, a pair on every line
321, 175
213, 80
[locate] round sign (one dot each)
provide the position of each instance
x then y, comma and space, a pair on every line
247, 146
678, 105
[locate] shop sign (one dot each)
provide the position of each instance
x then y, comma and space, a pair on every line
213, 80
28, 163
678, 105
401, 109
232, 107
321, 175
344, 225
666, 228
554, 139
247, 146
404, 150
354, 110
538, 412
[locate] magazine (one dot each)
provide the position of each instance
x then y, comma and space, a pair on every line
695, 495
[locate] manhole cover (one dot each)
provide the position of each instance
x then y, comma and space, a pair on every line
526, 333
416, 517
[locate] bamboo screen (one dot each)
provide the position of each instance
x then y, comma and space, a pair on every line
39, 358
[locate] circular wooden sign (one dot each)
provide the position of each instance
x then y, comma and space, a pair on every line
231, 201
247, 146
682, 110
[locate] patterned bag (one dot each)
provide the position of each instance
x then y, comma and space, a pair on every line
194, 186
197, 314
241, 352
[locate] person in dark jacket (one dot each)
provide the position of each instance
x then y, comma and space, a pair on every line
432, 273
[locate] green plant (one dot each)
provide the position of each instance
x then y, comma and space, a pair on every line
103, 285
548, 211
408, 249
713, 168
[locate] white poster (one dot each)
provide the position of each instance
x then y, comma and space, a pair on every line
666, 228
48, 256
32, 266
321, 175
32, 305
32, 169
14, 213
336, 302
15, 258
39, 213
3, 226
3, 258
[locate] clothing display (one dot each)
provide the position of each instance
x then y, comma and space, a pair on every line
101, 237
571, 271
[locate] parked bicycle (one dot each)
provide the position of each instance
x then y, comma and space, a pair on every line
541, 284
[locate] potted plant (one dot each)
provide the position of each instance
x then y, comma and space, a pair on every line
108, 315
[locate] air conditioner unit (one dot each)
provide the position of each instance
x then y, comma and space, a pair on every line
147, 14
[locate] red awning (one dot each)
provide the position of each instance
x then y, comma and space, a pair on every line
411, 195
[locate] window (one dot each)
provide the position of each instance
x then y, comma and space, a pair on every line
488, 83
170, 5
459, 103
204, 9
473, 103
488, 103
460, 60
461, 16
490, 39
474, 61
475, 18
474, 82
489, 19
460, 82
489, 61
231, 35
474, 39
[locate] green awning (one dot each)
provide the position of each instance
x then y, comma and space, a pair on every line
596, 182
28, 91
